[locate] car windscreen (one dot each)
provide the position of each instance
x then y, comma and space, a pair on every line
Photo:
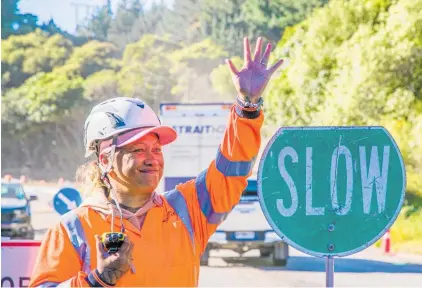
12, 191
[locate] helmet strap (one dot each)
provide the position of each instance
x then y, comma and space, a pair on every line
110, 156
106, 180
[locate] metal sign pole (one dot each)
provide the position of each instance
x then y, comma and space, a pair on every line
329, 271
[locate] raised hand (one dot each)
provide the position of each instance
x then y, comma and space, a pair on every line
251, 80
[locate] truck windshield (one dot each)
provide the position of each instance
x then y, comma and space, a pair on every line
12, 191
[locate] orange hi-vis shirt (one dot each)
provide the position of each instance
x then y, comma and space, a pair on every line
168, 248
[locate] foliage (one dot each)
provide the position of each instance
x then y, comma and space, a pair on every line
357, 63
23, 56
221, 78
98, 25
14, 23
100, 85
51, 83
379, 84
43, 98
94, 56
145, 70
406, 232
270, 18
354, 62
130, 22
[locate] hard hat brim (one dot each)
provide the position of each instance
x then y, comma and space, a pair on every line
166, 135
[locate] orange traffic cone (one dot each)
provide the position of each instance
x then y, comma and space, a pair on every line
387, 242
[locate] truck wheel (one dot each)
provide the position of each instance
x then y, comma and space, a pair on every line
205, 257
279, 262
264, 252
280, 254
30, 235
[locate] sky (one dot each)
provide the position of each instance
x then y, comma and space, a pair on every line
63, 12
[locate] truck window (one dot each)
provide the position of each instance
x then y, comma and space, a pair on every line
251, 189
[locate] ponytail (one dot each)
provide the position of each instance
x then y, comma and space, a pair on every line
88, 176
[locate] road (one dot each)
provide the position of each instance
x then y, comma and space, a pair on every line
367, 268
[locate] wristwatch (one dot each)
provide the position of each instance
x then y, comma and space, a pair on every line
249, 106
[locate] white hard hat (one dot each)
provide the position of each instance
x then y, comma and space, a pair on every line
121, 121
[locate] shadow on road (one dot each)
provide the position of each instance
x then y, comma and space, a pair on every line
314, 264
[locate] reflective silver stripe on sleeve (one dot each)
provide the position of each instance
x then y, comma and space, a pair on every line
178, 202
56, 284
76, 234
49, 284
233, 168
205, 200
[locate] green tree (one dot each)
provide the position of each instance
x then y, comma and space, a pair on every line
25, 55
270, 18
192, 65
44, 97
94, 56
224, 23
354, 63
14, 23
130, 22
221, 79
182, 22
53, 86
150, 22
127, 13
98, 25
101, 85
145, 71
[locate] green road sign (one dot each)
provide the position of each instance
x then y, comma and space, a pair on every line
331, 191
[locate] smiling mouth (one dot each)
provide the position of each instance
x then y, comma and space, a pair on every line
149, 171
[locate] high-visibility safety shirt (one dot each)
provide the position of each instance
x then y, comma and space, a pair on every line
168, 248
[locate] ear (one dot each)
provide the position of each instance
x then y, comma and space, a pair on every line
103, 159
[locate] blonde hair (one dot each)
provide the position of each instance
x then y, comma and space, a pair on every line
88, 177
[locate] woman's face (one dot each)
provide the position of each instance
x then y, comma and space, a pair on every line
139, 166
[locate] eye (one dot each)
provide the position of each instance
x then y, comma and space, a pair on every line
137, 150
157, 150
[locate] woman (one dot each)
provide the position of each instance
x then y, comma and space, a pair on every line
165, 235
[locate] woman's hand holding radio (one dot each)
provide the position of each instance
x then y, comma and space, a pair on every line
111, 267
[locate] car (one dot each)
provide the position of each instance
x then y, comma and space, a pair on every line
16, 211
246, 228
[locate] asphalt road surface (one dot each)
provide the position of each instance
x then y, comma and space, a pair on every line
368, 268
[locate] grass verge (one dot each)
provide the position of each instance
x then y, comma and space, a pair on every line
406, 232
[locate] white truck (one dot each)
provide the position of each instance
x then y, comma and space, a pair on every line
200, 129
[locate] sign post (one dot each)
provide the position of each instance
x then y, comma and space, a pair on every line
66, 199
331, 191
